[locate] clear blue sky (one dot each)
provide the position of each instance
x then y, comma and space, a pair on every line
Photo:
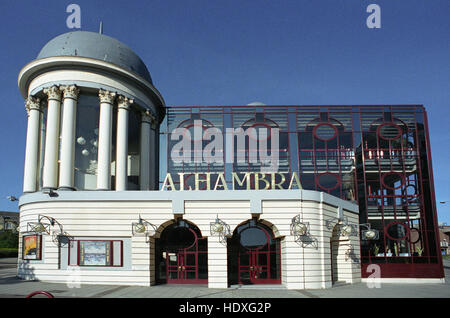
233, 52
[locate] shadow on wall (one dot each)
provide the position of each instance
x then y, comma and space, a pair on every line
26, 271
308, 241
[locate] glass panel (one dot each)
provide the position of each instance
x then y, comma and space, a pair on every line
42, 133
328, 181
190, 259
244, 259
172, 258
86, 142
178, 237
389, 131
95, 253
173, 274
134, 143
253, 238
203, 266
117, 253
275, 266
190, 274
325, 131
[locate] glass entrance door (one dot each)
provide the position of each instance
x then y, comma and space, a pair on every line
254, 267
257, 254
183, 267
183, 255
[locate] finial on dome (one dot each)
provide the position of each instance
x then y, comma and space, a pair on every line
101, 28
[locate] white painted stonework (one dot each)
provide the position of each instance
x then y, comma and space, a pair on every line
98, 215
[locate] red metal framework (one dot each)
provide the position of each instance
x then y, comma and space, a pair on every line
377, 155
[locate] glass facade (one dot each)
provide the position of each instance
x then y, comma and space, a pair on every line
376, 156
86, 144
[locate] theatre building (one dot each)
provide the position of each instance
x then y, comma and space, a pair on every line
121, 189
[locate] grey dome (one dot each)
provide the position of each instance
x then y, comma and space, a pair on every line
96, 46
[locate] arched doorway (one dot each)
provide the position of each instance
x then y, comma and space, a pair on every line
340, 248
181, 255
334, 249
254, 255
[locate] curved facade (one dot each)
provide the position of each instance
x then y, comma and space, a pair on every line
93, 124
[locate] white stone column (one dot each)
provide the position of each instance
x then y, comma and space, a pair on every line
217, 263
33, 108
123, 105
144, 165
104, 139
50, 173
68, 125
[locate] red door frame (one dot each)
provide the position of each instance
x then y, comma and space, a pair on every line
257, 272
182, 269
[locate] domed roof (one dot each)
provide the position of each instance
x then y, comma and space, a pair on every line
96, 46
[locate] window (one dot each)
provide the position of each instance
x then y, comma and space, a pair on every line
96, 253
86, 142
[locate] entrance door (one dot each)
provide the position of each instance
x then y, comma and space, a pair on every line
254, 267
258, 254
183, 267
184, 255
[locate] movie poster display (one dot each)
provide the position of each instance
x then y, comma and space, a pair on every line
32, 247
95, 253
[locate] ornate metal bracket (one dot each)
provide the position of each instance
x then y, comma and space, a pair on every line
221, 229
45, 224
143, 228
300, 231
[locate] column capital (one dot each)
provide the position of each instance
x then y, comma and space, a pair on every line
106, 96
53, 92
147, 117
70, 91
124, 102
32, 103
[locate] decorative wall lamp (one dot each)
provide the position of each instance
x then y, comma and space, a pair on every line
143, 227
300, 231
299, 228
221, 229
43, 225
345, 228
368, 233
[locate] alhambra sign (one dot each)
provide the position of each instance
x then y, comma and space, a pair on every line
249, 181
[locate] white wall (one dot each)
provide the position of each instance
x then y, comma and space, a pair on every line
306, 266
